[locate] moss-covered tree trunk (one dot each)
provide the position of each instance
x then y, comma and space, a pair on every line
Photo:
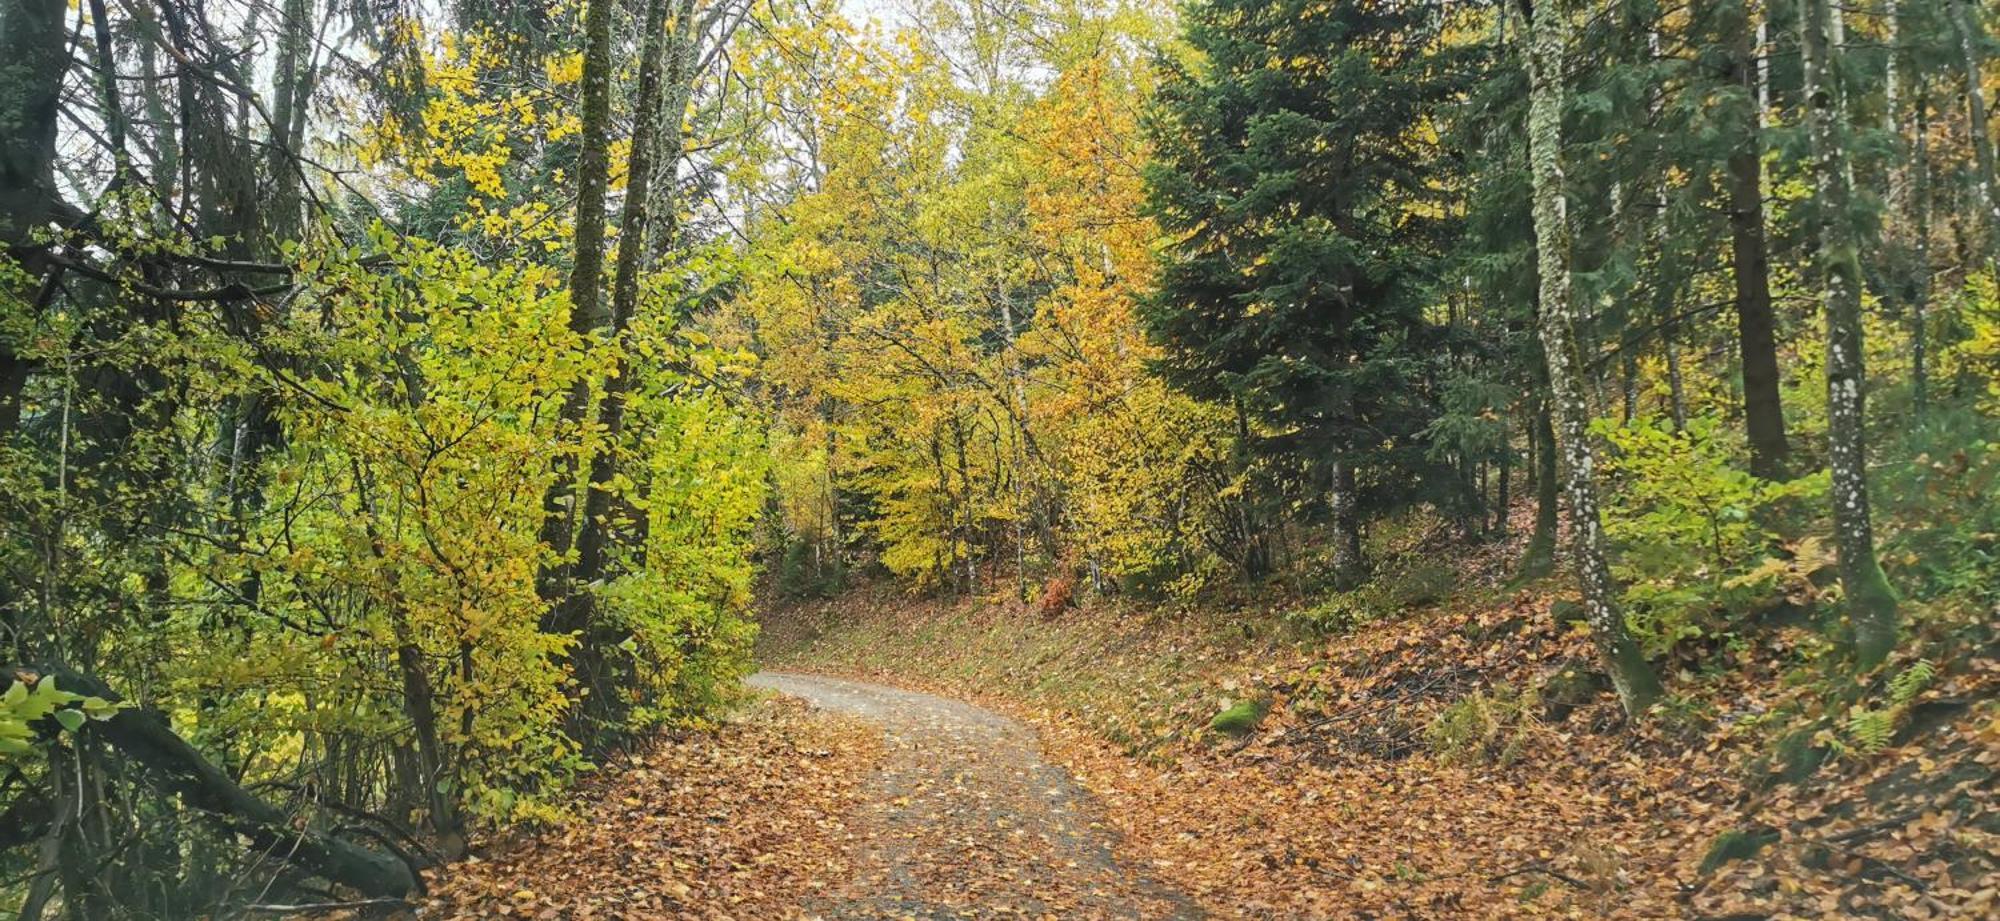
1871, 605
593, 544
1630, 674
587, 315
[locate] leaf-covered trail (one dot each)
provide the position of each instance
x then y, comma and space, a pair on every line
964, 819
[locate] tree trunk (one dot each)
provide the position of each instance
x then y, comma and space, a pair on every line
593, 544
1920, 256
1971, 44
1870, 602
1670, 344
1540, 557
33, 62
1908, 234
1630, 673
1349, 567
1756, 325
287, 104
586, 312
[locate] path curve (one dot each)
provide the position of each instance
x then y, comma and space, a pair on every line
966, 820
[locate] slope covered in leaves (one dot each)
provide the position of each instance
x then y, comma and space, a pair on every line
1468, 761
744, 821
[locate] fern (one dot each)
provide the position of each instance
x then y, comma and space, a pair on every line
1871, 730
1910, 682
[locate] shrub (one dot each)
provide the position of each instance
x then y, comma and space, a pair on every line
1485, 727
1698, 538
1395, 591
1241, 717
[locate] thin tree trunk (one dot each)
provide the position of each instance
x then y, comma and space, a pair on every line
593, 543
287, 104
1908, 235
1630, 673
1349, 567
1920, 256
1676, 383
587, 315
1540, 557
1871, 604
1756, 324
1971, 44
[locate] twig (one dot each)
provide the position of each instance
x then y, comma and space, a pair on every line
1542, 868
305, 907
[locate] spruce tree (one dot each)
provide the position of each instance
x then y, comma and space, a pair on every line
1293, 170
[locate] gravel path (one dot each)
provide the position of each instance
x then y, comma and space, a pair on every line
967, 821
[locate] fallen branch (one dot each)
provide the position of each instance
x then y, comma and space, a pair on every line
144, 736
1542, 868
310, 907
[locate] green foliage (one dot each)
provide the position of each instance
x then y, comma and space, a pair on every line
1304, 224
1493, 726
1397, 592
1868, 730
1699, 540
28, 701
1945, 502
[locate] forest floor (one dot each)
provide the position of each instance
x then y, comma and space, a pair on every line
1457, 760
837, 800
977, 758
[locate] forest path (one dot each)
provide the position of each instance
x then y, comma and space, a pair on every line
964, 819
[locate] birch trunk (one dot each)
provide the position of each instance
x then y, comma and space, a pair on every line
1348, 565
1871, 604
1971, 34
1630, 674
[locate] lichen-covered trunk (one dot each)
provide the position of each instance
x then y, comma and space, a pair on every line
1871, 604
587, 315
1349, 567
1630, 673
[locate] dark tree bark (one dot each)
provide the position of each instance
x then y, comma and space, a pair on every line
1756, 324
1540, 557
33, 63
